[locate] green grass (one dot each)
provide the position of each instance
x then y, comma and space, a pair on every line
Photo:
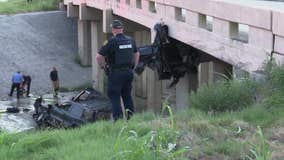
146, 136
102, 140
21, 6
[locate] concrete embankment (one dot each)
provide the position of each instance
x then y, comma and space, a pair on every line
35, 42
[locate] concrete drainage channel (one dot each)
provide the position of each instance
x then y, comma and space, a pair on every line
23, 121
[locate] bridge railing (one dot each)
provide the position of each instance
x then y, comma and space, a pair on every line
242, 28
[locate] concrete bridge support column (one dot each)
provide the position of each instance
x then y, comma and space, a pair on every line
210, 72
185, 86
154, 87
86, 15
154, 91
62, 7
97, 39
140, 82
72, 11
84, 42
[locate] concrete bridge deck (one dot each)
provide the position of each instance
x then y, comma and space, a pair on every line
240, 33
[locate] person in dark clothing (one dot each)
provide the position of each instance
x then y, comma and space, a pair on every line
17, 79
27, 82
122, 55
55, 81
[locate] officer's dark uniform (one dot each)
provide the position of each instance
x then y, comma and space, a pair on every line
119, 52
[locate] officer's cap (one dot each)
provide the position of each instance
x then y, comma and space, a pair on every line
116, 24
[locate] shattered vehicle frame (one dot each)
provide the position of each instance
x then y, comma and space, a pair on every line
87, 106
170, 58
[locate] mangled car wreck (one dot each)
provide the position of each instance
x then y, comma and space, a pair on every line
87, 106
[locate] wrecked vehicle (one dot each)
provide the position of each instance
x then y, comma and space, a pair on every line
170, 58
87, 106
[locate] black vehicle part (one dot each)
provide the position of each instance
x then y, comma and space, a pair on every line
87, 106
169, 57
13, 110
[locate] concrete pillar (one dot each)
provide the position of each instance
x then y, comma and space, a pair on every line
205, 73
210, 72
84, 42
182, 92
140, 82
154, 87
61, 6
107, 20
72, 11
97, 38
185, 86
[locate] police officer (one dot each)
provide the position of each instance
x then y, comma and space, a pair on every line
17, 79
122, 57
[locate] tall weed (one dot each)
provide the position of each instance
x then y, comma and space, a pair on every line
155, 145
261, 150
158, 144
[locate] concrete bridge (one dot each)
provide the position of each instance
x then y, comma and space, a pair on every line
229, 36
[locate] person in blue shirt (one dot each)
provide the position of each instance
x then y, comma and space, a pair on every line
17, 79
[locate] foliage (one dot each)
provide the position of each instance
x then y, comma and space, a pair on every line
224, 96
156, 145
260, 151
21, 6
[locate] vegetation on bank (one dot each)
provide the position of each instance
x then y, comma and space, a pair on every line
21, 6
211, 129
